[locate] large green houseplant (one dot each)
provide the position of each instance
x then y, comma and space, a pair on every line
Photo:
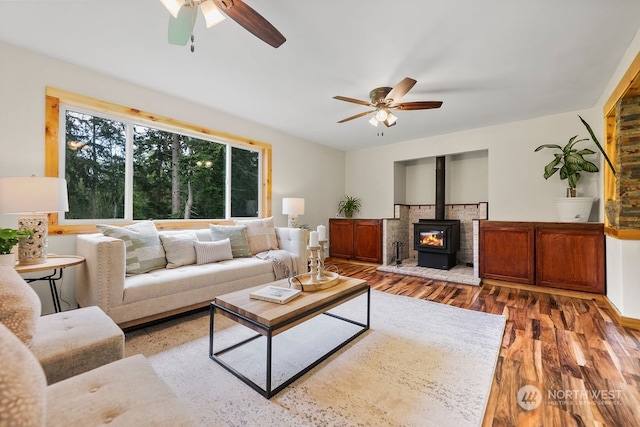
349, 205
570, 161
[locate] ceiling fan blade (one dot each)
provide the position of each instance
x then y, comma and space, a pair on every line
400, 89
419, 105
355, 101
181, 28
356, 116
251, 20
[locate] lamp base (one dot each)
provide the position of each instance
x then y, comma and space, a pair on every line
292, 221
33, 250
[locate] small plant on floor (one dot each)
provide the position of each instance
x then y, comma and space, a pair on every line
9, 237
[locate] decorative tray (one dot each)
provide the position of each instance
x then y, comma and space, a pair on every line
306, 282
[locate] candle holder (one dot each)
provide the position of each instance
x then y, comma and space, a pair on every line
317, 278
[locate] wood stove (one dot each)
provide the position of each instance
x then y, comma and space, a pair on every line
437, 241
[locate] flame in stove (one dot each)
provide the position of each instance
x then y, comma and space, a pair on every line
431, 240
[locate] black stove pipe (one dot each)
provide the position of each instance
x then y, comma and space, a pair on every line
440, 184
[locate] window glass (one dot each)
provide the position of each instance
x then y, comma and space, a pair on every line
173, 175
245, 175
95, 166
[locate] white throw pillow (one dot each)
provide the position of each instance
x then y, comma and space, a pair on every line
179, 248
261, 234
208, 252
144, 251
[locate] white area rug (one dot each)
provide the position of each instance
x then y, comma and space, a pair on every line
420, 364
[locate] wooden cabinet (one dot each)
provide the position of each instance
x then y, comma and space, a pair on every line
560, 255
359, 239
507, 251
571, 257
341, 238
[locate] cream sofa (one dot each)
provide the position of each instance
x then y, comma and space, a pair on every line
140, 298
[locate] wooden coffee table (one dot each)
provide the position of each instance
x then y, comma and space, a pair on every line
270, 319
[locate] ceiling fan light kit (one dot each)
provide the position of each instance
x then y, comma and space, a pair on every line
173, 6
385, 99
212, 14
184, 13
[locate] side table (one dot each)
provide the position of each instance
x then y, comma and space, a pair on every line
57, 263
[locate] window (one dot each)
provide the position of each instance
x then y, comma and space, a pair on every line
123, 165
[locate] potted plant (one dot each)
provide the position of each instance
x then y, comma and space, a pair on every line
349, 205
570, 162
9, 237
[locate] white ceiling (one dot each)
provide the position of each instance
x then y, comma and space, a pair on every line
489, 61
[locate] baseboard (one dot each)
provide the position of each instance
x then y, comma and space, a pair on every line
627, 322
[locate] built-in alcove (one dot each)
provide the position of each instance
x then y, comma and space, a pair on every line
465, 194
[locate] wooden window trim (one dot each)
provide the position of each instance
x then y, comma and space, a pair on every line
54, 97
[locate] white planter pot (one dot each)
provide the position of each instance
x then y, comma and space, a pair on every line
8, 259
574, 209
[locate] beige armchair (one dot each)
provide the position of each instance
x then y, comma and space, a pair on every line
67, 369
126, 392
66, 343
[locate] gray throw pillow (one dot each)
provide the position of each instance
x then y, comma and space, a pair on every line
237, 234
144, 250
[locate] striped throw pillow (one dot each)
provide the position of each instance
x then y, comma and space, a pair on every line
208, 252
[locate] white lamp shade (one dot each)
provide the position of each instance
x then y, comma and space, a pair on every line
33, 194
173, 6
292, 206
212, 14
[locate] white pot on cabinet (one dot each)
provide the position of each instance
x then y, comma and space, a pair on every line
574, 209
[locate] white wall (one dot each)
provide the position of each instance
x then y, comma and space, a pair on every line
24, 76
466, 179
516, 188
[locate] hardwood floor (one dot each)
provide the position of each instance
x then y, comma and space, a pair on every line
586, 367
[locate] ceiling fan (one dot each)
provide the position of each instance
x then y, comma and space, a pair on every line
184, 12
385, 99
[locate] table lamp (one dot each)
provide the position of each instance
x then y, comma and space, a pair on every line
292, 207
33, 198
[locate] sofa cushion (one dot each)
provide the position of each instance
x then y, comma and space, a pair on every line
75, 341
237, 234
20, 306
23, 386
261, 234
196, 278
144, 250
207, 252
123, 393
179, 248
